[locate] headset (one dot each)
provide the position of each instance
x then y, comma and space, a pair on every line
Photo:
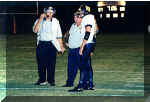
49, 9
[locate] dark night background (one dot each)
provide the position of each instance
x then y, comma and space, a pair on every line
136, 16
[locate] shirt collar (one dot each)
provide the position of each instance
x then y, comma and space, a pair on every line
77, 26
50, 20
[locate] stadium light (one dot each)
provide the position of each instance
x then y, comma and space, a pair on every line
108, 8
122, 8
115, 15
122, 15
108, 15
113, 8
100, 9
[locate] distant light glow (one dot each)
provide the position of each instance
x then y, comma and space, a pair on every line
122, 15
100, 9
122, 3
108, 8
101, 16
115, 15
100, 3
113, 8
108, 15
122, 8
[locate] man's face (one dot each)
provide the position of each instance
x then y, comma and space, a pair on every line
49, 13
75, 19
79, 20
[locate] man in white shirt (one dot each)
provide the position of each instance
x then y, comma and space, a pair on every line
74, 43
49, 41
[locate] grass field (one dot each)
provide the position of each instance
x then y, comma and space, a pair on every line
2, 66
118, 65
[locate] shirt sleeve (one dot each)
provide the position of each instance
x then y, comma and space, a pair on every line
88, 20
35, 24
70, 31
95, 30
59, 32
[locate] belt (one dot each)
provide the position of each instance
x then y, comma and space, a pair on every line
45, 42
74, 48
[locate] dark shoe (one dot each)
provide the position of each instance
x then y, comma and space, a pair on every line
79, 88
40, 83
76, 89
67, 85
52, 84
90, 88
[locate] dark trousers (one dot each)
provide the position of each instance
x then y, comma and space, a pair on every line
46, 58
73, 65
86, 71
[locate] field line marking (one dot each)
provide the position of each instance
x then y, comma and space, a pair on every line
63, 89
65, 70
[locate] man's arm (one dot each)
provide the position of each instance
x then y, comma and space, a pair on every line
59, 38
61, 45
37, 26
86, 37
66, 37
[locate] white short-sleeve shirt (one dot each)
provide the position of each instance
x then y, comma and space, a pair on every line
75, 37
89, 20
46, 31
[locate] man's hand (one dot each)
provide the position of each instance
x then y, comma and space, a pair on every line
42, 16
91, 54
61, 45
63, 50
67, 44
37, 26
81, 51
88, 29
82, 47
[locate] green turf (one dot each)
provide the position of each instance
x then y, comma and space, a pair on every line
118, 65
2, 66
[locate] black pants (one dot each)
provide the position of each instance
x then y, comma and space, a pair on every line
46, 58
